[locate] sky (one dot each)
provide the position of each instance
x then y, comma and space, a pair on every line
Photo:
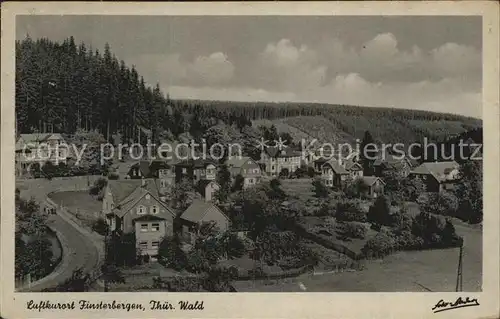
424, 63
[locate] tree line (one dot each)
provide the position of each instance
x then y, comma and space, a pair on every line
65, 87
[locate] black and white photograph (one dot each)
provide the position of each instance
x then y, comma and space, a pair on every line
248, 153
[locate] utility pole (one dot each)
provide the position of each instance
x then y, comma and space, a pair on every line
459, 286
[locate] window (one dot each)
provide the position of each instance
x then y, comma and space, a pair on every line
155, 227
112, 206
144, 227
163, 183
272, 168
184, 170
148, 196
154, 209
143, 245
155, 244
250, 180
141, 210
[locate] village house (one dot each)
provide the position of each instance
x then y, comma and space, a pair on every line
196, 170
374, 186
437, 176
201, 213
354, 168
39, 148
333, 174
392, 163
156, 169
247, 168
135, 206
207, 189
276, 161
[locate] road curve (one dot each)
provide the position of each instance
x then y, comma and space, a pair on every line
78, 252
78, 249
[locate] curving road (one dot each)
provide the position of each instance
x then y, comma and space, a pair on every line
78, 250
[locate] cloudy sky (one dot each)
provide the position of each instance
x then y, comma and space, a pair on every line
427, 63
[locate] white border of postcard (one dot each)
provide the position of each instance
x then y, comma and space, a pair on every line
264, 305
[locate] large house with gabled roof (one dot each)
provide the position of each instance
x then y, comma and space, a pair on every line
437, 176
137, 206
333, 174
276, 160
247, 168
202, 212
39, 148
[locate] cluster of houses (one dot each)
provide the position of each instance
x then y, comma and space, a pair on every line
138, 200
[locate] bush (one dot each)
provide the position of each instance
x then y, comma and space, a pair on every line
100, 226
326, 209
352, 230
320, 190
379, 246
113, 176
349, 211
379, 212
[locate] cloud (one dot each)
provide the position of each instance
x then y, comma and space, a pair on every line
376, 73
453, 59
282, 65
214, 69
451, 95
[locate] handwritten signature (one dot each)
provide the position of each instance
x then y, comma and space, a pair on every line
459, 303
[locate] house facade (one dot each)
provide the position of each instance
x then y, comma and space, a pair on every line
276, 160
438, 176
39, 148
196, 170
135, 206
247, 168
354, 168
333, 174
207, 189
202, 212
374, 186
388, 162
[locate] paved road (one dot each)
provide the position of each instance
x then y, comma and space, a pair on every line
80, 252
78, 249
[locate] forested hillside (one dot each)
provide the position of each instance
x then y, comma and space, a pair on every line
64, 87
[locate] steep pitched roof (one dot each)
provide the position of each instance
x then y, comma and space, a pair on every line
197, 210
202, 185
150, 187
237, 161
337, 168
351, 164
439, 170
370, 180
120, 189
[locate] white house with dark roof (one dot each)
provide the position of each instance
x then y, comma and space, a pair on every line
438, 176
135, 206
276, 160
